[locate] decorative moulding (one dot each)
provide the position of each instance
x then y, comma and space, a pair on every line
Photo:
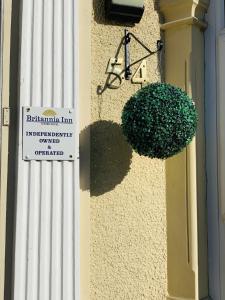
170, 4
180, 12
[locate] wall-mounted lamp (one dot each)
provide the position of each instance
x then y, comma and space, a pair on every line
125, 10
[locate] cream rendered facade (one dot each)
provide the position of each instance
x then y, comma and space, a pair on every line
140, 224
124, 262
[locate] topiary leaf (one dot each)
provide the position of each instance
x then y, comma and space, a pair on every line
159, 120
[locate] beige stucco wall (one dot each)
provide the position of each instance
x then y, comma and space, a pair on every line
128, 201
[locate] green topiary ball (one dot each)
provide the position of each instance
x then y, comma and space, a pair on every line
159, 120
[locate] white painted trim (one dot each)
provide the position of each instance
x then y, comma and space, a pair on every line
1, 58
47, 226
216, 248
221, 120
77, 171
221, 151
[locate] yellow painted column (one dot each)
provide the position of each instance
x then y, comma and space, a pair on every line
185, 173
84, 122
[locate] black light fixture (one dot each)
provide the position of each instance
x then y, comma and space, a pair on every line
125, 10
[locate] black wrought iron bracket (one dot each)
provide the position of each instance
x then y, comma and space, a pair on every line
128, 64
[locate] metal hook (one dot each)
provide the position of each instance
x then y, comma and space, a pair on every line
127, 39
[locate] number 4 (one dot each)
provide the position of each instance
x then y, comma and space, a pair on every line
140, 76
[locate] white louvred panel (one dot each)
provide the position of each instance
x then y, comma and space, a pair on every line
46, 262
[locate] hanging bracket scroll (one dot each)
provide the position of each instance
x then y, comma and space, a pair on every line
128, 64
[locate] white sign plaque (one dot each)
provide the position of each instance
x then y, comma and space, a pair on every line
48, 133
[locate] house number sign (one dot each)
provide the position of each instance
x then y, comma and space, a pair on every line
48, 133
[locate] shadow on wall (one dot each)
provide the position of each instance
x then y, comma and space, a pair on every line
110, 157
99, 11
156, 5
11, 189
100, 18
99, 15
